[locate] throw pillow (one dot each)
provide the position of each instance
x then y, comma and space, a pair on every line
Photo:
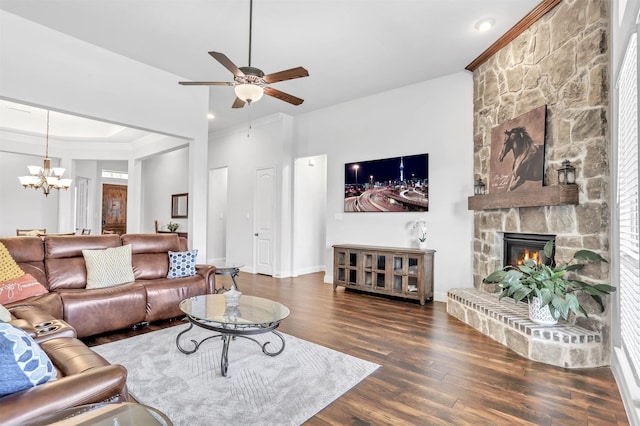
5, 315
20, 288
108, 267
23, 363
182, 263
9, 269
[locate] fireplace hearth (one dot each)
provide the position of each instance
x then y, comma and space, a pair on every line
519, 247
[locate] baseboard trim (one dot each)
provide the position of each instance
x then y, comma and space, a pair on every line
308, 270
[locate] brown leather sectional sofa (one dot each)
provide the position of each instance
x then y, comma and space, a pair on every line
70, 311
57, 262
83, 376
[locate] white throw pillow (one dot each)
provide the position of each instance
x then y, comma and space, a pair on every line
5, 315
108, 267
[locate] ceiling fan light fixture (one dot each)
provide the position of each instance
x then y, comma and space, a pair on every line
249, 92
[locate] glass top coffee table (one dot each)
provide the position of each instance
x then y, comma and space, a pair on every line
252, 315
104, 414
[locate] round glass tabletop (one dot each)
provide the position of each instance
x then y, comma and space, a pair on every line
123, 414
222, 267
250, 311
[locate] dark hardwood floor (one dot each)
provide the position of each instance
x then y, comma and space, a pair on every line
435, 370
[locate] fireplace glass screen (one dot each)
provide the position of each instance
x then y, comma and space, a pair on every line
519, 247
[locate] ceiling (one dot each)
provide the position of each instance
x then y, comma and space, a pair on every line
351, 48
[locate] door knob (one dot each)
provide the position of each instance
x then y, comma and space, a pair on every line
255, 235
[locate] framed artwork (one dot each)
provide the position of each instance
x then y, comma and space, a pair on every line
517, 152
398, 184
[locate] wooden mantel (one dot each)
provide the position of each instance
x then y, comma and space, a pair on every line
545, 196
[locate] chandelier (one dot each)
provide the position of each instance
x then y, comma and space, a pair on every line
45, 177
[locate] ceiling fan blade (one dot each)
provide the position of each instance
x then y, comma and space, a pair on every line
238, 103
286, 75
226, 62
283, 96
206, 83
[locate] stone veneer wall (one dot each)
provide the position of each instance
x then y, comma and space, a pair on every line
561, 61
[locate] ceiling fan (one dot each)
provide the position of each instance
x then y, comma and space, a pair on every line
250, 83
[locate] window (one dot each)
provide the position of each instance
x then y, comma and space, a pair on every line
627, 200
112, 174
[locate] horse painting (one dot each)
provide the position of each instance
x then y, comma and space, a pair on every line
528, 158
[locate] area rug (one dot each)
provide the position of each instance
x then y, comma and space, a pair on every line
259, 390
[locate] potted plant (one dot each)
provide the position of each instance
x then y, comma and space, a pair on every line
421, 226
550, 286
172, 226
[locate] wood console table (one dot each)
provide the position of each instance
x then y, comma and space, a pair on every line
393, 271
180, 234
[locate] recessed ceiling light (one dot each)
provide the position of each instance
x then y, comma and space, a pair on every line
485, 24
211, 116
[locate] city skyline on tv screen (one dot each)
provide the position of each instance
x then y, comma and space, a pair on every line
397, 184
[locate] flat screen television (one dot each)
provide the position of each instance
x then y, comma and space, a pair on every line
399, 184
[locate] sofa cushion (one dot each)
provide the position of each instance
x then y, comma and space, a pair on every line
9, 269
23, 363
28, 252
182, 263
20, 289
108, 267
64, 261
165, 294
150, 254
98, 310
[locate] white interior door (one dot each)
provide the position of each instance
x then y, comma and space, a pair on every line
264, 214
82, 203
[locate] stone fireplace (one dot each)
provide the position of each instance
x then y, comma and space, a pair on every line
561, 61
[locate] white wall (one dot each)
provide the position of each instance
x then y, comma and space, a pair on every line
218, 214
164, 175
24, 208
46, 68
433, 117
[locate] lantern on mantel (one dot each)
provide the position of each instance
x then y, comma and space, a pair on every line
479, 187
566, 174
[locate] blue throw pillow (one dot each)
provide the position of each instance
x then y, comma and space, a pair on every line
22, 362
182, 263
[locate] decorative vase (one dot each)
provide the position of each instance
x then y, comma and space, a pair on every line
422, 245
540, 314
231, 297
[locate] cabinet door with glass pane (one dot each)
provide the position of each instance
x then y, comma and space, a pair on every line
380, 282
369, 273
345, 267
399, 273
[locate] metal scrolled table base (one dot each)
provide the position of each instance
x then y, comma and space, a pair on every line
228, 334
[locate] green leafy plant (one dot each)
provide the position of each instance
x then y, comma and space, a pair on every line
551, 283
172, 226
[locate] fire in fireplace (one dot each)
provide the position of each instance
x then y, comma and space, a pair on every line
519, 247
